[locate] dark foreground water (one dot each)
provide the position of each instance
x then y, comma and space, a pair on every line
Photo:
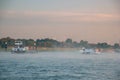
59, 66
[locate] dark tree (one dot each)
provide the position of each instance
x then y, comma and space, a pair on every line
116, 45
103, 45
69, 41
83, 43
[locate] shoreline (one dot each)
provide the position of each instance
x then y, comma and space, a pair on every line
44, 49
40, 49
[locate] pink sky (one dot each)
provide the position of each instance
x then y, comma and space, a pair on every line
96, 21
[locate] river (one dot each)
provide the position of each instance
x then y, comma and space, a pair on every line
59, 66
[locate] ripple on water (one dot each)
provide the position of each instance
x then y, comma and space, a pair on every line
59, 66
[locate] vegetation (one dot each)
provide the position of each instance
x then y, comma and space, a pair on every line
51, 43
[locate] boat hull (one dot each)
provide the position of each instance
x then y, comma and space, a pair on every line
18, 50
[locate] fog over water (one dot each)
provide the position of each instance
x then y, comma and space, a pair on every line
59, 66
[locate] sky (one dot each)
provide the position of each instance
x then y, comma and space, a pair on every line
91, 20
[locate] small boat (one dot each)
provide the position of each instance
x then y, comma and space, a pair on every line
87, 51
19, 47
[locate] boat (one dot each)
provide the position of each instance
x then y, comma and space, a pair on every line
89, 51
19, 47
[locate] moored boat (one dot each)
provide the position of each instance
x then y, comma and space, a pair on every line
19, 47
89, 51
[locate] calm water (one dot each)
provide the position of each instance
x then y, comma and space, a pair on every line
59, 66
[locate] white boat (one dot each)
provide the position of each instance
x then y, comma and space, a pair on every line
89, 51
19, 47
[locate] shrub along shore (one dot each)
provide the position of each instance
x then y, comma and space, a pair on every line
48, 44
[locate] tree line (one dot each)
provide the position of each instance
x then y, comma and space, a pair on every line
51, 43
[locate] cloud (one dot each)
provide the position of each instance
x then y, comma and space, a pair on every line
54, 16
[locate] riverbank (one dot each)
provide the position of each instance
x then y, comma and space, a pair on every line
44, 49
40, 49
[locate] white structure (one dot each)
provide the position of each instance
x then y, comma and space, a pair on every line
89, 51
19, 47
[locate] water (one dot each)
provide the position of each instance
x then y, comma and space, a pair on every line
59, 66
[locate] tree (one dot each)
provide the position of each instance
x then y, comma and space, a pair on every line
103, 45
8, 40
47, 42
76, 44
84, 43
30, 42
68, 40
116, 45
68, 43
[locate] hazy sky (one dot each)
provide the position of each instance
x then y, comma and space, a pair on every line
91, 20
